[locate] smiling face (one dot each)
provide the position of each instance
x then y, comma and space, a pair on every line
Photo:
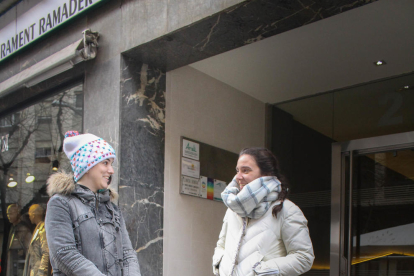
99, 176
247, 170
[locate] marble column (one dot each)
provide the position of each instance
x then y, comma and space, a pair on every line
141, 184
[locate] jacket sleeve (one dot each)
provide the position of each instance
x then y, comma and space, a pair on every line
220, 248
295, 236
61, 241
44, 262
131, 265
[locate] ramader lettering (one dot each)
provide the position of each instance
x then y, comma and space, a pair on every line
17, 41
62, 13
42, 24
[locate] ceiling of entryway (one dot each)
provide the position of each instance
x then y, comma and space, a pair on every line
330, 54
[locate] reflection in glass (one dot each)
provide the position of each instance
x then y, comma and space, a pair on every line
305, 158
31, 152
304, 131
18, 240
368, 110
37, 259
382, 218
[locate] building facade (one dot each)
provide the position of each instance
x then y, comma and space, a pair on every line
302, 78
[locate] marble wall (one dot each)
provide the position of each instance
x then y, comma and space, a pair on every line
141, 183
238, 25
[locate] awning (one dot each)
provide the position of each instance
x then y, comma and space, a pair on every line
65, 59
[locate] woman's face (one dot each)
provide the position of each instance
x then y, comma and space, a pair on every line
99, 177
247, 170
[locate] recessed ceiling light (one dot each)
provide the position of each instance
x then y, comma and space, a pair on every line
380, 62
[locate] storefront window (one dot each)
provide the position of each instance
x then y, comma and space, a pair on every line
31, 150
303, 132
379, 108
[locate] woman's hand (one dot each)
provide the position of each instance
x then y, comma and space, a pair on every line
216, 270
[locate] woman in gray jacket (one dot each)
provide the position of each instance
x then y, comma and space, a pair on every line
85, 231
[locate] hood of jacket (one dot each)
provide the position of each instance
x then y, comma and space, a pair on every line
62, 183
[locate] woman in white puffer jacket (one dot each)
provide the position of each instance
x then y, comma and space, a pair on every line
263, 233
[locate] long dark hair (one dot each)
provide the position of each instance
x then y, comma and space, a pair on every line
269, 166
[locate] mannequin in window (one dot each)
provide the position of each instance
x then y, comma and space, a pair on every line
37, 259
18, 243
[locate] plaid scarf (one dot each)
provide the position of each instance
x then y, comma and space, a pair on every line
254, 199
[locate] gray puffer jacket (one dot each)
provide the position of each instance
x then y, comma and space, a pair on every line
86, 232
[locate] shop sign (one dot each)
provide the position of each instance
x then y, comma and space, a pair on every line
197, 157
191, 149
203, 187
219, 187
190, 186
4, 143
38, 21
190, 167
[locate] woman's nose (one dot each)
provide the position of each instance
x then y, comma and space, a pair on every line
111, 170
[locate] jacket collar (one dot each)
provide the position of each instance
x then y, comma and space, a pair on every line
86, 194
62, 183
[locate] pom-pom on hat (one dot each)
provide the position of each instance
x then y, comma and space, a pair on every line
85, 151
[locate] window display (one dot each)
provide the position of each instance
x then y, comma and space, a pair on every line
18, 241
37, 257
31, 150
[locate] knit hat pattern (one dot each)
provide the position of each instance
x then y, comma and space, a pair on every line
85, 151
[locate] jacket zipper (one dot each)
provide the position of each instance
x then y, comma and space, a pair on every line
103, 247
97, 201
243, 232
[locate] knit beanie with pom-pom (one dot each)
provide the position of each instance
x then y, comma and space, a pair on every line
85, 151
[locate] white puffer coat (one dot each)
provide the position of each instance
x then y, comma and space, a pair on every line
281, 244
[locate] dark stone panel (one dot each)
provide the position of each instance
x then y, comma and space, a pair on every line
237, 26
143, 212
141, 185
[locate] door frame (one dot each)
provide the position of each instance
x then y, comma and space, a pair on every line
338, 263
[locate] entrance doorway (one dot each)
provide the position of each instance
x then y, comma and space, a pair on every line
372, 203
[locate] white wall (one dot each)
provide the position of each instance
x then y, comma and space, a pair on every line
207, 110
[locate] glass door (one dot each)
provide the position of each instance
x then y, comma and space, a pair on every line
372, 215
